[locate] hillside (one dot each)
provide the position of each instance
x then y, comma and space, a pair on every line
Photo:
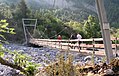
81, 8
59, 16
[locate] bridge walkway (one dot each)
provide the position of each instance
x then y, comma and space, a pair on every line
67, 45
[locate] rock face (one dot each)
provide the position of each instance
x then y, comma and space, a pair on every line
43, 56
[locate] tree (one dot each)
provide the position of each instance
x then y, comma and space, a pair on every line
114, 32
22, 11
5, 11
91, 28
49, 25
75, 25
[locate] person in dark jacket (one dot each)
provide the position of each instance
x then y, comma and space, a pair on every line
73, 36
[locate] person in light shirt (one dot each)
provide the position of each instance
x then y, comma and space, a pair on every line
79, 37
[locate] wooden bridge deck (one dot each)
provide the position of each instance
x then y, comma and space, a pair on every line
65, 45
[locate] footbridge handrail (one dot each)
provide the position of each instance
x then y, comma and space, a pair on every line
69, 43
72, 40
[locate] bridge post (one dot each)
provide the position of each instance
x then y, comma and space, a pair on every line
61, 44
79, 47
28, 24
105, 28
68, 45
116, 46
93, 54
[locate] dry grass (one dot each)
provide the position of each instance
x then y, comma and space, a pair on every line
66, 68
63, 68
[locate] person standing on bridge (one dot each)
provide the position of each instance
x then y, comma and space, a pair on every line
79, 37
73, 37
59, 37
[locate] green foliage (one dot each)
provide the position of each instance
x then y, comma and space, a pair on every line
22, 10
5, 11
88, 29
114, 32
1, 51
91, 28
31, 69
49, 25
23, 61
5, 29
76, 27
20, 59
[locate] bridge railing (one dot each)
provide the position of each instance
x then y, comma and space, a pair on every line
68, 44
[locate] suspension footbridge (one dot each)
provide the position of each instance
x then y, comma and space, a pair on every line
66, 44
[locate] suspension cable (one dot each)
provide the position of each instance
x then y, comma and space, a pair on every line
29, 33
58, 33
41, 34
47, 36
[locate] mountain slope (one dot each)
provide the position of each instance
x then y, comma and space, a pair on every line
81, 8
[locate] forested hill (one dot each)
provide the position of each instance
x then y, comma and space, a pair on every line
81, 8
58, 16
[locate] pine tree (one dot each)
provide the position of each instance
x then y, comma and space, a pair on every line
22, 10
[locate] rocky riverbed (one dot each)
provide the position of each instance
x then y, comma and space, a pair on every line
43, 56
